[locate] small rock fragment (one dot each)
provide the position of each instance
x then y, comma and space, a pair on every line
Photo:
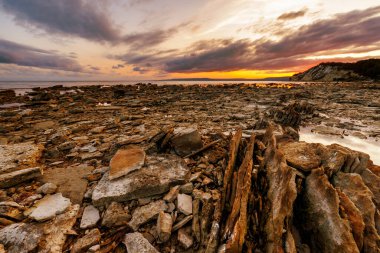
90, 217
136, 243
186, 140
172, 194
84, 243
19, 176
185, 204
185, 240
164, 226
146, 213
115, 215
48, 188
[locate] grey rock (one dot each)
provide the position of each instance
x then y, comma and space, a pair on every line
186, 140
184, 239
143, 214
136, 243
47, 188
90, 217
20, 237
185, 204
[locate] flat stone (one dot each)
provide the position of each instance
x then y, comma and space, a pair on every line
125, 161
70, 181
20, 237
185, 204
48, 207
172, 194
184, 239
136, 243
164, 226
26, 154
187, 188
186, 140
90, 217
156, 177
90, 239
143, 214
19, 176
47, 188
301, 155
115, 215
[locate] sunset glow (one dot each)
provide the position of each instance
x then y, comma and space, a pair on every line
152, 40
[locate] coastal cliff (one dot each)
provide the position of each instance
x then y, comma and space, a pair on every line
337, 71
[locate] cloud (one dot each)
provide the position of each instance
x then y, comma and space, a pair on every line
69, 17
14, 53
140, 70
118, 66
292, 15
148, 39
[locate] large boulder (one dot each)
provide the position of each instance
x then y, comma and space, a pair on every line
186, 140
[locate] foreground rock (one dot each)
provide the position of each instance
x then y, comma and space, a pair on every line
186, 140
19, 176
146, 213
136, 243
154, 178
126, 161
48, 207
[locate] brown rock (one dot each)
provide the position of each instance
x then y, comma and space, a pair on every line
115, 215
90, 239
186, 140
164, 226
125, 161
301, 155
19, 176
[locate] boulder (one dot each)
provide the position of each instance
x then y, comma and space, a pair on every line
156, 177
186, 140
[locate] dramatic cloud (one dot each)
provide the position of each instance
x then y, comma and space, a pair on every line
353, 29
292, 15
13, 53
70, 17
148, 39
140, 70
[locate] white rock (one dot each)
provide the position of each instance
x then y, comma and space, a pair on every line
185, 240
185, 204
90, 217
136, 243
146, 213
48, 207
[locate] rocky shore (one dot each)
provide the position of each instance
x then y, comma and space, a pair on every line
147, 168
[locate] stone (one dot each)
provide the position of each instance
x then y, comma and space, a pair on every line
329, 232
20, 237
182, 223
186, 140
56, 231
70, 181
18, 156
136, 243
48, 207
301, 155
90, 217
353, 186
185, 204
47, 188
164, 226
355, 161
156, 177
97, 130
143, 214
90, 239
184, 239
94, 248
186, 188
372, 181
115, 215
172, 194
126, 161
66, 146
19, 176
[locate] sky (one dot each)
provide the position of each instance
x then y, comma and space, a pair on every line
56, 40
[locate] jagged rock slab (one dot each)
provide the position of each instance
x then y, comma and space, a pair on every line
70, 181
136, 243
146, 213
125, 161
56, 231
48, 207
372, 181
19, 176
87, 241
20, 237
154, 178
301, 155
26, 154
353, 186
329, 232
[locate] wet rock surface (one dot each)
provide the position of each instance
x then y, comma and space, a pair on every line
218, 169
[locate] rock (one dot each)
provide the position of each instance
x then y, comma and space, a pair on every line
90, 217
326, 130
90, 239
186, 140
164, 226
70, 181
301, 155
185, 204
172, 194
353, 186
19, 176
115, 215
126, 161
186, 188
184, 239
14, 156
372, 181
143, 214
94, 248
48, 188
154, 178
97, 130
56, 231
355, 161
66, 146
136, 243
20, 237
182, 223
48, 207
328, 231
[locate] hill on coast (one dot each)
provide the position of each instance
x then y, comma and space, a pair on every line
338, 71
